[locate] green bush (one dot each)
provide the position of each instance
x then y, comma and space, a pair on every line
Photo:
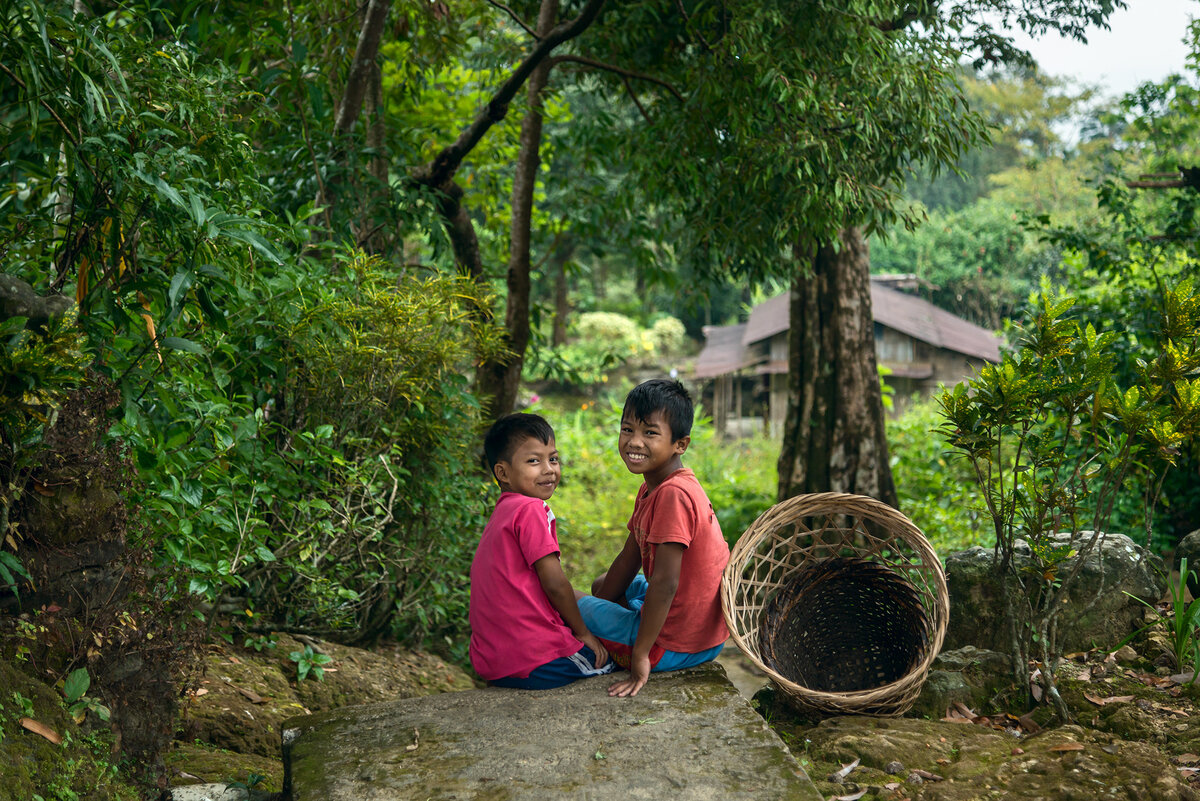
668, 336
936, 488
307, 468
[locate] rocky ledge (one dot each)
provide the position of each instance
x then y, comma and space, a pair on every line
686, 734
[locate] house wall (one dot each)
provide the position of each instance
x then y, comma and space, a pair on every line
891, 347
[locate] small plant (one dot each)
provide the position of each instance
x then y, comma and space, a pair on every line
259, 642
1181, 627
309, 660
253, 780
79, 704
24, 704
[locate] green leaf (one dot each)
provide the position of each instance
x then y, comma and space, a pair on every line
76, 684
264, 553
180, 285
179, 343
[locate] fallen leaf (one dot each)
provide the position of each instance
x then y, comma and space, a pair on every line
1017, 751
417, 741
1187, 759
852, 796
42, 489
1063, 747
1176, 712
1109, 749
200, 692
29, 724
924, 774
1112, 699
1188, 773
839, 776
964, 710
235, 660
1084, 675
1028, 724
892, 786
942, 761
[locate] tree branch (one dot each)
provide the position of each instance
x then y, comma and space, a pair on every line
688, 20
513, 15
600, 65
446, 163
633, 96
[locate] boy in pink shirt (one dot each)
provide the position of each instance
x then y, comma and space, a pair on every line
669, 616
526, 630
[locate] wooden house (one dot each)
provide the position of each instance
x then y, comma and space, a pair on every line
921, 346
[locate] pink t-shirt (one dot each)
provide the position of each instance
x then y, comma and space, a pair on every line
677, 510
514, 627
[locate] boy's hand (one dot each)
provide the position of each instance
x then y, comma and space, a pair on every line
597, 647
639, 673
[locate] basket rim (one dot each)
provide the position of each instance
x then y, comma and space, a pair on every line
813, 504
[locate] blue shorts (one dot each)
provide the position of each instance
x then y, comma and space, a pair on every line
611, 621
558, 672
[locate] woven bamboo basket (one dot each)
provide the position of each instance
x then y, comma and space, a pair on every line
840, 600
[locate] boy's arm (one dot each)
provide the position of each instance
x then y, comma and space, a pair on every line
562, 597
621, 574
667, 559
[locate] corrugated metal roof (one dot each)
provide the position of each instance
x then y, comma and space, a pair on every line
906, 313
723, 351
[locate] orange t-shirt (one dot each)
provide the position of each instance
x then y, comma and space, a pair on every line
679, 511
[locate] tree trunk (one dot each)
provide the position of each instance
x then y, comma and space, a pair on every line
499, 380
834, 437
361, 69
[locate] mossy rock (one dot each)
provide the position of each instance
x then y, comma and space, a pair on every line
75, 768
196, 763
974, 762
245, 695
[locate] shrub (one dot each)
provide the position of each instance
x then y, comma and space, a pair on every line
1053, 441
318, 483
668, 336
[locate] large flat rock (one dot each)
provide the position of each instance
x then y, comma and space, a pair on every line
687, 735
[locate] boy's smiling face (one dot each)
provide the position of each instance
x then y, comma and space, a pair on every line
647, 449
533, 469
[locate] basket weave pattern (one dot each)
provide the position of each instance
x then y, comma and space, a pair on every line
840, 600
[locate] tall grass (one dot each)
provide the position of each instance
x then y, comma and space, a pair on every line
596, 496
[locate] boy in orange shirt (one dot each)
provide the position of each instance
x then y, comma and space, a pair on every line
669, 617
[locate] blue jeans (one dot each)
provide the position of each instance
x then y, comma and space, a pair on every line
611, 621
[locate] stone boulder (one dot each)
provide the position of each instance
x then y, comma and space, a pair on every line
1189, 548
686, 735
1116, 566
979, 679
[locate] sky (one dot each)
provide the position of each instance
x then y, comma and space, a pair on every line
1144, 43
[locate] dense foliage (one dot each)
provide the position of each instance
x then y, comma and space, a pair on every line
297, 412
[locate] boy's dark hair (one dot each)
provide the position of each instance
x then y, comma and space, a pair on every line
510, 431
667, 396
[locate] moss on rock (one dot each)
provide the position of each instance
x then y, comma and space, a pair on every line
33, 765
245, 695
195, 763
